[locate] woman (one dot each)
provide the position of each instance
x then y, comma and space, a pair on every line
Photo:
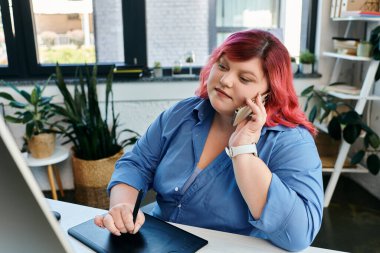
271, 189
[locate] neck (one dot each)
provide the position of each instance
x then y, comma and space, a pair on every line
224, 122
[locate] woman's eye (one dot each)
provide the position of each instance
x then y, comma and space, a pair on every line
221, 66
244, 80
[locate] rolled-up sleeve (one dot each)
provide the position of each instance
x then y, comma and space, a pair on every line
136, 167
292, 215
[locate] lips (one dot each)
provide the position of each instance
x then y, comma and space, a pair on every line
221, 91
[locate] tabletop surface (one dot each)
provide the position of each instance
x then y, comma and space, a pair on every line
72, 215
60, 154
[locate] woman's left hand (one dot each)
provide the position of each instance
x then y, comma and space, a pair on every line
248, 131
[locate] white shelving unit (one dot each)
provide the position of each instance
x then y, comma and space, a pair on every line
362, 98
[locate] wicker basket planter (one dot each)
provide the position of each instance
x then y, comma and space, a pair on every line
42, 145
91, 178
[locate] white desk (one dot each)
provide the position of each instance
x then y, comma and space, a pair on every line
60, 154
72, 215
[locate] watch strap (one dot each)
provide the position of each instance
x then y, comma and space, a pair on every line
244, 149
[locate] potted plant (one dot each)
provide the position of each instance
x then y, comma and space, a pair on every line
95, 139
157, 69
34, 111
346, 124
307, 60
177, 68
294, 65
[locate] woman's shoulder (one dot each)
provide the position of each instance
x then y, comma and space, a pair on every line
297, 133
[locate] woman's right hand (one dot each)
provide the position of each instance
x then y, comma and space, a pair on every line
119, 219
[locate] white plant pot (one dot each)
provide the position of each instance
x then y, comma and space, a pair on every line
306, 68
157, 72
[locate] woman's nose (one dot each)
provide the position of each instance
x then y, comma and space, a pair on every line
226, 80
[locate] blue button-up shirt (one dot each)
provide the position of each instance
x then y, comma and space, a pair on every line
167, 154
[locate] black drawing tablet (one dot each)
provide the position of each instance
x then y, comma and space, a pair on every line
154, 236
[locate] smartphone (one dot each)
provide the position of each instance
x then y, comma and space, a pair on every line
243, 112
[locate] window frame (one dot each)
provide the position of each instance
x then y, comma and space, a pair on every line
22, 49
309, 12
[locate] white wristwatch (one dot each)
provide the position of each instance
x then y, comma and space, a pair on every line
244, 149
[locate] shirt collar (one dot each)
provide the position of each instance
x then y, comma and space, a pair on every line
203, 109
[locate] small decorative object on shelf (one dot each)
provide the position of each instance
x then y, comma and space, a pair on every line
190, 59
307, 60
35, 112
345, 45
177, 68
157, 69
341, 114
364, 49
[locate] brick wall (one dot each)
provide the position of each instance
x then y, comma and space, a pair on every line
175, 27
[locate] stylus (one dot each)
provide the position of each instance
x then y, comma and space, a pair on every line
137, 205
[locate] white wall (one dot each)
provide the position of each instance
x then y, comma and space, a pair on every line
174, 27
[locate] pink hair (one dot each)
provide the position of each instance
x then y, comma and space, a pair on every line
282, 105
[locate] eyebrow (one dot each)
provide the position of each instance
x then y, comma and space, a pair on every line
223, 60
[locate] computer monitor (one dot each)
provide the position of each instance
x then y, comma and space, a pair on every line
26, 221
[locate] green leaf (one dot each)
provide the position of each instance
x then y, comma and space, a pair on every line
16, 104
26, 95
351, 117
373, 140
13, 119
34, 97
6, 96
29, 129
331, 106
334, 128
325, 114
308, 90
373, 164
313, 113
307, 101
351, 132
27, 116
357, 157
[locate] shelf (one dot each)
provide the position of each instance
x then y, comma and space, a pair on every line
353, 97
347, 57
329, 162
346, 170
374, 19
358, 169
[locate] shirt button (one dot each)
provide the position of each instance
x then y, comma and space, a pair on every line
179, 206
176, 189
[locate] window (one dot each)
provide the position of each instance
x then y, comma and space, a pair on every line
64, 31
70, 32
233, 16
282, 18
127, 33
3, 46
